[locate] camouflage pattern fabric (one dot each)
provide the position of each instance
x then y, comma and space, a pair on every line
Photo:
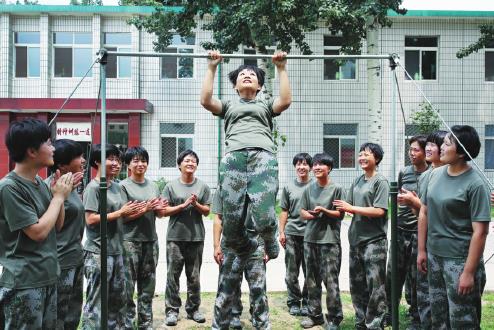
368, 283
423, 301
178, 255
406, 271
323, 265
117, 298
69, 298
294, 260
141, 260
449, 310
249, 177
29, 309
228, 296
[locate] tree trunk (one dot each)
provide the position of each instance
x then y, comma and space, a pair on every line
373, 84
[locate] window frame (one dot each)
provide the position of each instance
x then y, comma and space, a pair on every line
486, 138
71, 46
27, 45
178, 47
488, 49
421, 49
119, 47
176, 137
337, 49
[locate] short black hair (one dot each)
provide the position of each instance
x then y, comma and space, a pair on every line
420, 139
301, 157
376, 150
323, 158
186, 153
25, 134
65, 151
437, 137
95, 157
469, 137
133, 152
259, 73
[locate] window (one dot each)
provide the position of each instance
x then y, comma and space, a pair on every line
333, 70
410, 131
118, 66
175, 138
118, 135
26, 54
489, 147
340, 142
421, 57
73, 54
271, 72
178, 67
489, 61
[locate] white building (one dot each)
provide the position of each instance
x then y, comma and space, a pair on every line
45, 50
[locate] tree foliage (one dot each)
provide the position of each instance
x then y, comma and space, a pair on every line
426, 119
486, 38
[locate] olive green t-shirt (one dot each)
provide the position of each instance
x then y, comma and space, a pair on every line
368, 193
248, 124
114, 200
26, 263
323, 229
69, 239
290, 201
409, 179
453, 203
142, 229
186, 225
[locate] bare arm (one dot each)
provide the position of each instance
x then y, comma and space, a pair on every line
217, 230
207, 100
283, 101
330, 213
306, 215
61, 218
366, 211
281, 225
475, 252
422, 240
128, 209
203, 209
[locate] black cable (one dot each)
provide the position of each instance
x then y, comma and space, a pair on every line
401, 102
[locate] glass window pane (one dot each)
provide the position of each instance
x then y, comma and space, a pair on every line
33, 58
420, 41
429, 65
489, 154
331, 69
120, 38
178, 40
111, 66
412, 62
347, 153
20, 61
489, 66
118, 135
184, 144
185, 64
333, 41
347, 70
124, 63
82, 61
331, 146
83, 38
26, 37
489, 130
168, 151
63, 62
169, 65
62, 37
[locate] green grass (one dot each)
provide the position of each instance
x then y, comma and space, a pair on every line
280, 319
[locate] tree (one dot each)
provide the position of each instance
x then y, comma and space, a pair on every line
86, 2
261, 23
426, 119
486, 38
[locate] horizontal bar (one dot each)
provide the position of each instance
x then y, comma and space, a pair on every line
254, 56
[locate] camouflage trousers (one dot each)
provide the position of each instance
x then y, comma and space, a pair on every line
424, 301
323, 265
141, 259
29, 309
294, 260
368, 283
228, 302
406, 273
91, 316
450, 310
69, 298
249, 177
178, 255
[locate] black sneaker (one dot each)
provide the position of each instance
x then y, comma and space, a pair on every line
197, 317
294, 310
304, 311
171, 319
310, 323
235, 323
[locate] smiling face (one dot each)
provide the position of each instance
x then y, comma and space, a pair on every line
247, 81
302, 169
432, 152
113, 166
321, 171
138, 165
416, 154
188, 165
75, 165
44, 154
367, 160
449, 153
